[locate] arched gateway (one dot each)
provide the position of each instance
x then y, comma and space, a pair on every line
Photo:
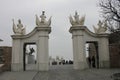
81, 35
40, 36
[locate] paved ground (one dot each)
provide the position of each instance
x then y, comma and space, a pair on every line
61, 73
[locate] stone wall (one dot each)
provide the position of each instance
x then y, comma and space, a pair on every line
6, 52
115, 55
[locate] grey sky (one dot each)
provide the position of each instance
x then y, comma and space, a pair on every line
60, 42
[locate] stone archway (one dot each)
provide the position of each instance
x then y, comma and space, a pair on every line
29, 59
38, 36
92, 54
81, 35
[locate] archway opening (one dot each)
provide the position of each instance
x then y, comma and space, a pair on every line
29, 56
92, 55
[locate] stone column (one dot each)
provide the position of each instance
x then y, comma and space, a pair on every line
104, 58
17, 64
42, 55
78, 47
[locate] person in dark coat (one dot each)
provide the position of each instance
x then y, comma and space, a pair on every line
93, 61
89, 62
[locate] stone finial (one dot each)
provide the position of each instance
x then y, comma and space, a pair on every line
42, 22
102, 27
18, 29
77, 21
43, 17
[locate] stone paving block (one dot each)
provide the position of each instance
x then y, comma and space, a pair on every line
63, 72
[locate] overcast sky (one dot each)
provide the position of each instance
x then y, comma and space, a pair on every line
60, 42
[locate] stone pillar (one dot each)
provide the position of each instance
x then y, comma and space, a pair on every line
42, 55
78, 47
17, 64
104, 58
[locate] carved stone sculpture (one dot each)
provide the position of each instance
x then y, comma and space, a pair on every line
77, 21
102, 27
43, 22
19, 29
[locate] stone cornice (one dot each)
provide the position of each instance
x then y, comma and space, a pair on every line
35, 30
84, 28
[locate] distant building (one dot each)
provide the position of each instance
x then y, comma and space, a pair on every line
59, 61
115, 55
5, 57
56, 61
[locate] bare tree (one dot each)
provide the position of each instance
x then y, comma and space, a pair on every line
110, 10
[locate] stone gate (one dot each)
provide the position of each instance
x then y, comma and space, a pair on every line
38, 36
81, 35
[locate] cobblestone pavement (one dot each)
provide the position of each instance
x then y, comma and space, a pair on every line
67, 73
26, 75
61, 73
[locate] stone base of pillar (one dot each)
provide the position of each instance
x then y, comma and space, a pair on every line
31, 67
80, 65
43, 66
104, 64
31, 59
16, 67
